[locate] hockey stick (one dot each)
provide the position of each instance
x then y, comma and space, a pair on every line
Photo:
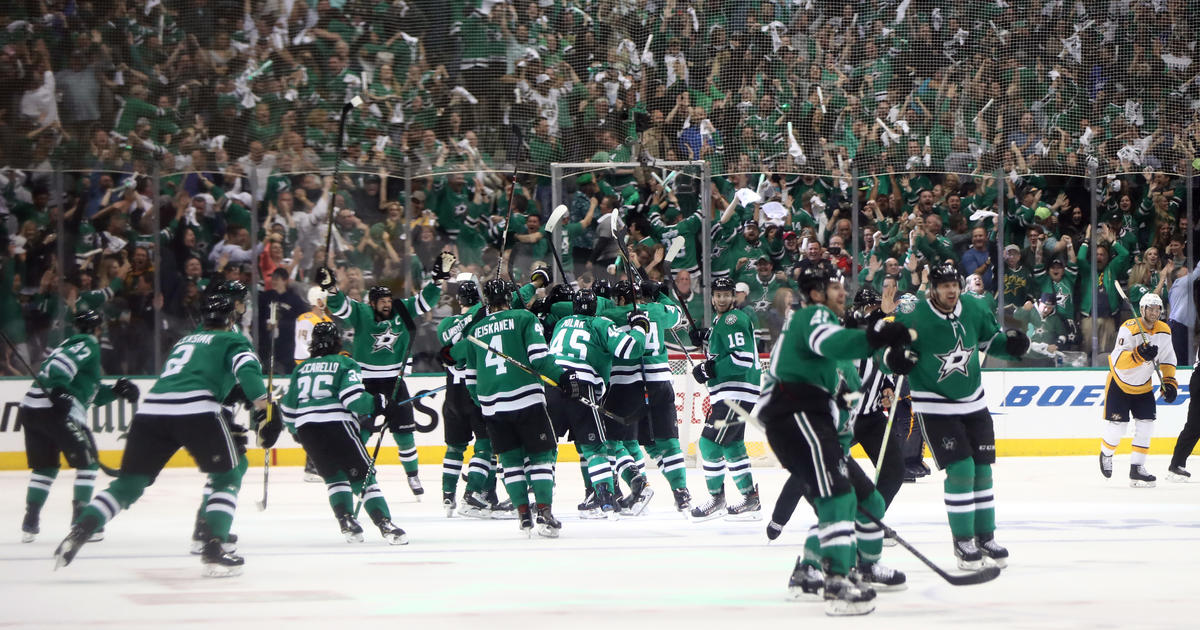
87, 432
337, 167
612, 225
508, 221
408, 401
273, 326
887, 429
986, 574
556, 217
1142, 331
545, 379
672, 253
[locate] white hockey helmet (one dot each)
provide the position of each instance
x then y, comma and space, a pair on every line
315, 295
1150, 299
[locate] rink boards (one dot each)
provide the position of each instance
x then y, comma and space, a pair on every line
1036, 412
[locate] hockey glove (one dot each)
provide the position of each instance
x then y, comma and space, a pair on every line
887, 333
539, 307
639, 319
699, 336
704, 371
570, 385
444, 355
61, 401
442, 266
540, 277
268, 432
1145, 352
899, 360
1016, 344
326, 279
846, 398
1170, 389
125, 388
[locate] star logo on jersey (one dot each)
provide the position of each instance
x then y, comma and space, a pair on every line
385, 340
955, 360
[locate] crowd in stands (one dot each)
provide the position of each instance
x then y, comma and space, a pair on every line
150, 150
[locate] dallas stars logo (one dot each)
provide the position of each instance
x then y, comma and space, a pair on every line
385, 340
955, 360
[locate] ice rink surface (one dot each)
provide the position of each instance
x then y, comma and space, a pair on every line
1086, 553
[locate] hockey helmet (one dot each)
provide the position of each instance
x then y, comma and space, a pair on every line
378, 292
814, 278
624, 289
602, 288
218, 310
234, 289
326, 339
944, 272
317, 295
496, 292
560, 293
722, 284
467, 293
584, 302
1150, 299
649, 289
87, 321
865, 297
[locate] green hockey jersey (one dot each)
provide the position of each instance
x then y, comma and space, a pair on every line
496, 384
74, 366
200, 371
380, 347
326, 389
810, 346
947, 378
450, 332
589, 345
663, 315
732, 347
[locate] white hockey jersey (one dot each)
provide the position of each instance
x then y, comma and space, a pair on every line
1132, 374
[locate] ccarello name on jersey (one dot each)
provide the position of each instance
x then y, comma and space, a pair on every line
321, 367
1070, 396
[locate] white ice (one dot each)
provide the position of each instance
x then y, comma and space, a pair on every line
1086, 553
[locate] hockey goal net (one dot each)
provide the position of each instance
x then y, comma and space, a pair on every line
692, 406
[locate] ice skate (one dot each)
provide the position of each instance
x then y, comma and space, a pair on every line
968, 554
310, 472
350, 528
218, 562
640, 494
500, 510
76, 508
882, 578
715, 508
1178, 474
70, 545
392, 534
474, 505
29, 525
414, 484
683, 500
1106, 465
992, 550
748, 510
1139, 477
547, 525
773, 530
589, 510
844, 598
605, 504
448, 504
526, 520
200, 536
806, 582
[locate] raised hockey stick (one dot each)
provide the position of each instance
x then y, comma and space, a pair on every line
1142, 331
409, 401
87, 432
273, 326
508, 224
556, 218
612, 225
542, 377
337, 167
887, 429
986, 574
672, 253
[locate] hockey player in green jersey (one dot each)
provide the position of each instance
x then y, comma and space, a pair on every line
513, 401
798, 412
948, 401
584, 346
642, 391
182, 409
324, 398
382, 336
731, 373
53, 416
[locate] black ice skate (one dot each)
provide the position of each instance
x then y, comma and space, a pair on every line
200, 536
683, 500
448, 503
992, 550
880, 577
1106, 465
392, 534
590, 508
606, 504
1139, 477
29, 525
773, 530
414, 484
76, 508
474, 505
70, 545
968, 554
715, 508
640, 494
548, 526
748, 510
806, 582
526, 520
843, 597
1178, 474
350, 528
501, 510
218, 562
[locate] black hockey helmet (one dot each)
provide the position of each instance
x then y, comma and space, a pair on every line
378, 292
584, 302
624, 289
944, 272
649, 289
468, 293
602, 288
87, 321
815, 278
723, 284
326, 339
560, 293
218, 310
867, 296
496, 292
234, 289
